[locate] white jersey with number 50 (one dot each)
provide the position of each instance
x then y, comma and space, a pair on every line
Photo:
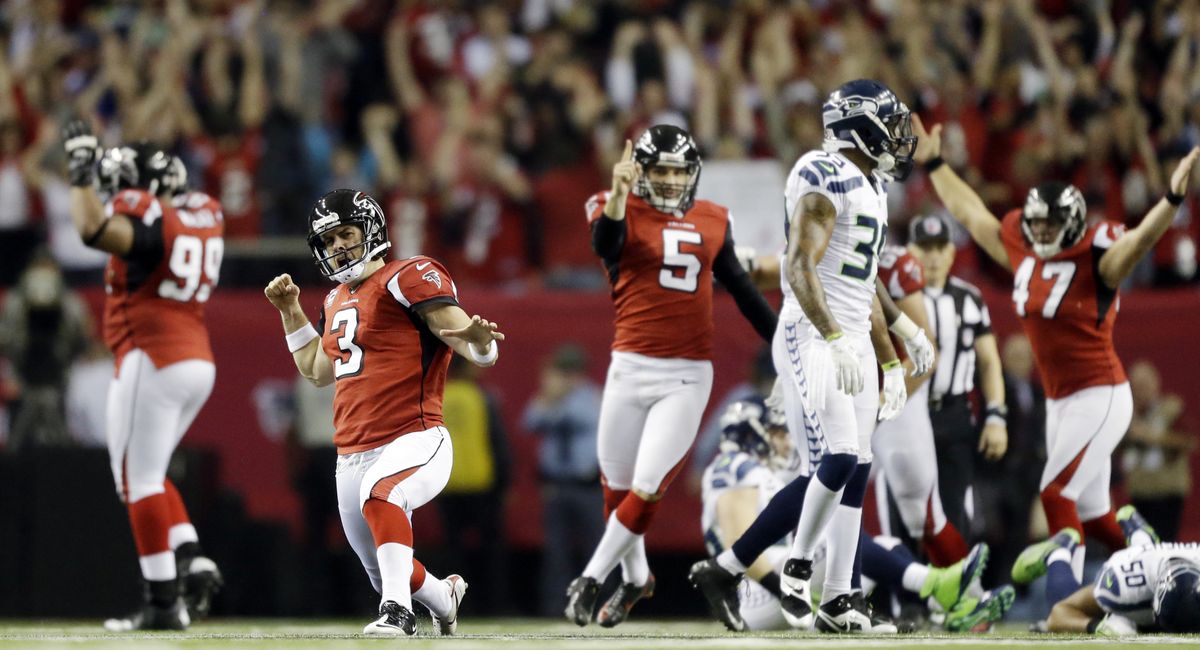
847, 271
1126, 584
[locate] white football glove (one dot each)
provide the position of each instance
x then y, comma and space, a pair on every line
1116, 625
846, 366
920, 350
894, 393
747, 256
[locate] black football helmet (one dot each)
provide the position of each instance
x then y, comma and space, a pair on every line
667, 146
1056, 204
138, 166
866, 115
175, 180
1177, 596
347, 207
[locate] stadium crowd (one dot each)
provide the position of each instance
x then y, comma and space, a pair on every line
486, 125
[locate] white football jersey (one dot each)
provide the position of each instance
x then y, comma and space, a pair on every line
731, 470
847, 271
1126, 584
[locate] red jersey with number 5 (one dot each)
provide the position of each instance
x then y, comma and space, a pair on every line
389, 368
662, 282
1066, 309
156, 293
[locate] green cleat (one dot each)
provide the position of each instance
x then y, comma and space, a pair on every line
1031, 564
1131, 522
978, 614
947, 585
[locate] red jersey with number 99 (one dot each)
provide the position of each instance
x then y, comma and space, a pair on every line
662, 282
156, 294
390, 370
1066, 310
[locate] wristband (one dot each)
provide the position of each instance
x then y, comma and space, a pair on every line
484, 359
833, 337
894, 363
932, 164
301, 337
1174, 199
993, 418
904, 327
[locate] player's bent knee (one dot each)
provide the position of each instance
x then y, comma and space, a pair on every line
139, 490
836, 469
636, 512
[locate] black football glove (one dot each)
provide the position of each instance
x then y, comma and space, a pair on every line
83, 149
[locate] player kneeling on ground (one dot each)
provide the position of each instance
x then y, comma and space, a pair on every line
385, 335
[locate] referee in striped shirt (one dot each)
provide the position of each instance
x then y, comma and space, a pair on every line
962, 333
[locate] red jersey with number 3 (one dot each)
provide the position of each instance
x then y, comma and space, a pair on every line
662, 282
1066, 309
389, 368
156, 294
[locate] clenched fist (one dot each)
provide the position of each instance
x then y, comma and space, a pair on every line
283, 293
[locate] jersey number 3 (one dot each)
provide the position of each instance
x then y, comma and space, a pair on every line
345, 322
676, 261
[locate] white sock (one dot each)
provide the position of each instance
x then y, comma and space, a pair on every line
914, 577
841, 545
158, 566
1059, 555
434, 595
395, 566
819, 505
181, 534
728, 561
613, 546
1076, 562
635, 569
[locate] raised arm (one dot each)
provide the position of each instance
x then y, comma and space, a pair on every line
962, 201
302, 338
1118, 261
112, 235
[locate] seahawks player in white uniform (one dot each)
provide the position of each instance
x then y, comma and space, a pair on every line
825, 348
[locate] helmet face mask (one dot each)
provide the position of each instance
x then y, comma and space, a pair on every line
670, 168
866, 115
759, 430
1177, 596
368, 240
1054, 218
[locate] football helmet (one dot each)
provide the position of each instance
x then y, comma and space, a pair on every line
347, 207
866, 115
1177, 596
1054, 204
175, 180
746, 425
665, 145
139, 166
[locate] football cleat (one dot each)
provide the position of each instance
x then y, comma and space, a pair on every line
719, 587
1131, 522
581, 600
1116, 625
796, 602
199, 581
948, 585
879, 624
616, 609
1031, 563
152, 617
839, 616
979, 614
394, 620
448, 625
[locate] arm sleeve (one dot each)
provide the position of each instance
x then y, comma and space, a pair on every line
148, 246
750, 302
608, 237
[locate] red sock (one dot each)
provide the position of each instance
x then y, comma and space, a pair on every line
150, 519
946, 546
418, 576
1061, 512
179, 513
1106, 529
635, 513
388, 523
612, 499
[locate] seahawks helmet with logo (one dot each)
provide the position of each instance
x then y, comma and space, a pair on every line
340, 208
746, 426
1177, 596
139, 166
1060, 204
665, 145
866, 115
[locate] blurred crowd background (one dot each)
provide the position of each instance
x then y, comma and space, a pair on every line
482, 127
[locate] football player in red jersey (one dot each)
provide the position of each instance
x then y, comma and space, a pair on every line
166, 259
661, 248
1065, 279
385, 336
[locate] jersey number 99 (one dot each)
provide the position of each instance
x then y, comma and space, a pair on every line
195, 265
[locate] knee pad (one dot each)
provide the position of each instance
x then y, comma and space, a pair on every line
856, 488
635, 513
835, 470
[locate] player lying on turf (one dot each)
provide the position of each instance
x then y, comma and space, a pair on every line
757, 458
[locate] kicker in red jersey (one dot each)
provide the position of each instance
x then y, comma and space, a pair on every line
389, 368
1065, 308
156, 294
663, 278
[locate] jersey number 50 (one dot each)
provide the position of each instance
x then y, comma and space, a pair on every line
195, 263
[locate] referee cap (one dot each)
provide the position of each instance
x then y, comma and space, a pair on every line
928, 229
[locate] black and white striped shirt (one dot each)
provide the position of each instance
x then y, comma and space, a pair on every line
957, 315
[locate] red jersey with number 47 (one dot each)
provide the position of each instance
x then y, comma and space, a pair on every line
156, 293
662, 282
389, 368
1066, 309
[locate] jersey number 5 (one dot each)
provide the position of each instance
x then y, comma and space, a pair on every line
675, 261
1061, 272
197, 264
345, 322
